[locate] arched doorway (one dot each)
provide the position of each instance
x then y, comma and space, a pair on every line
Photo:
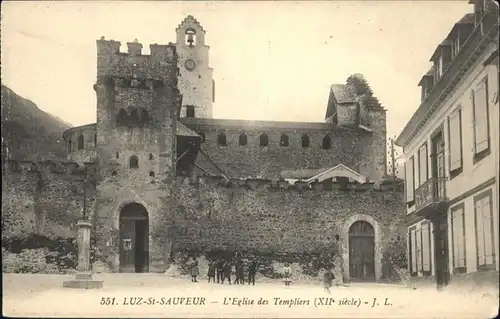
134, 238
361, 251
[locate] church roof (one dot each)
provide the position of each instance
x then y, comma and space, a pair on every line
342, 93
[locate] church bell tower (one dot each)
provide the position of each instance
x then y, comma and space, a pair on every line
195, 82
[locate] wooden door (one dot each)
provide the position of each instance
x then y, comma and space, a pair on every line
127, 245
441, 250
361, 259
361, 252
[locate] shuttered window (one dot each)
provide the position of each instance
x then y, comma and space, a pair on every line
413, 249
481, 121
418, 235
484, 230
423, 164
458, 238
426, 248
455, 139
410, 184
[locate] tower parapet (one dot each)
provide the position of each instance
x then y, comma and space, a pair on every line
161, 64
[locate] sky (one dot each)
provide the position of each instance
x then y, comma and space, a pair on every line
271, 60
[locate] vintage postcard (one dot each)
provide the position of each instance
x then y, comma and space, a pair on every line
250, 159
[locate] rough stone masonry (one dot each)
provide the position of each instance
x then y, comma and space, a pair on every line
201, 186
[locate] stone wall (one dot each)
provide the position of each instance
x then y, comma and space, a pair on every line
44, 199
262, 218
355, 148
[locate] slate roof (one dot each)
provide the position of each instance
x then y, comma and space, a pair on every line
429, 73
342, 93
182, 130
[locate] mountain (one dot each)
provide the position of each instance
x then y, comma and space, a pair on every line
29, 133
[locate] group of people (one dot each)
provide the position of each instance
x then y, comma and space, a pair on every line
219, 271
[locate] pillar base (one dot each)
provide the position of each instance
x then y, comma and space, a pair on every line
83, 280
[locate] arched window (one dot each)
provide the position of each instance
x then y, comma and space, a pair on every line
151, 157
121, 118
305, 141
221, 139
202, 135
80, 142
133, 162
327, 142
243, 139
69, 146
114, 173
284, 140
189, 111
264, 140
117, 155
151, 173
144, 116
134, 116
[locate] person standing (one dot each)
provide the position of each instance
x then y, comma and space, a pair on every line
211, 271
226, 272
287, 274
327, 279
338, 271
195, 271
219, 269
240, 275
252, 269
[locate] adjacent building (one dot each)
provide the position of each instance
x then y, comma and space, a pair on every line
451, 150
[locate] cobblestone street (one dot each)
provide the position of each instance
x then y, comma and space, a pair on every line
157, 295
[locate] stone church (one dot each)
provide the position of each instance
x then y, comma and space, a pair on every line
160, 175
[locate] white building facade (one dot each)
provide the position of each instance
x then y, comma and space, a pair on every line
451, 151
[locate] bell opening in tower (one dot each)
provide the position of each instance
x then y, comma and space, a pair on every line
190, 38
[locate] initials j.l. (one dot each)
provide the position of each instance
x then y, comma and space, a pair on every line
386, 303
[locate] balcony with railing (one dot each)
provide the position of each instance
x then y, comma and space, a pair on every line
430, 197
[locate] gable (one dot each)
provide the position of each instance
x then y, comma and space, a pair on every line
338, 171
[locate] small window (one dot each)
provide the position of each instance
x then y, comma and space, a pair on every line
284, 140
151, 174
151, 156
243, 139
114, 173
134, 116
121, 118
264, 140
117, 155
95, 139
305, 141
327, 143
221, 139
80, 142
133, 162
202, 135
144, 116
337, 237
69, 146
189, 111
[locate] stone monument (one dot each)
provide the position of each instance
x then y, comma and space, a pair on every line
83, 278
